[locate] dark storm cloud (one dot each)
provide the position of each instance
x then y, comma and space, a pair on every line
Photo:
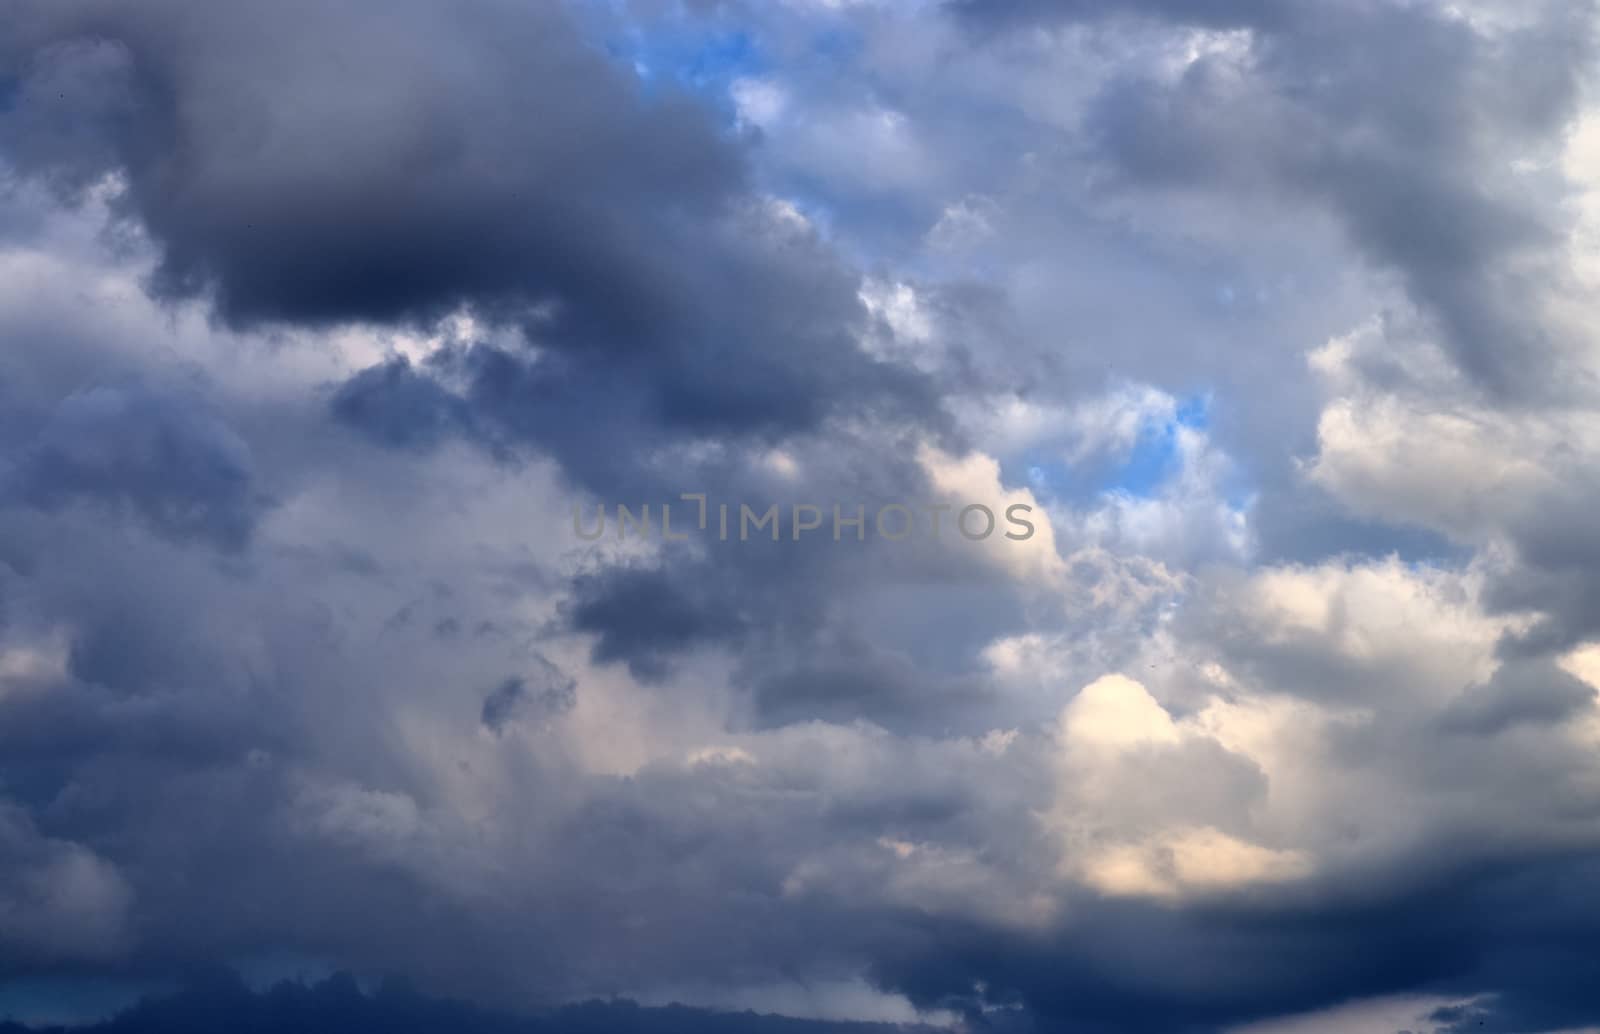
1521, 691
487, 158
644, 616
484, 156
410, 160
164, 456
50, 728
261, 755
338, 1005
1518, 924
606, 420
62, 904
739, 596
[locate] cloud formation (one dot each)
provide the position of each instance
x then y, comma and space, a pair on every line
325, 320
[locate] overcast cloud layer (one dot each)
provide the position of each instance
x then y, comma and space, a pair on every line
320, 320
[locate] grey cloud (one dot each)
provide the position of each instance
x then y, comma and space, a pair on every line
1219, 13
849, 679
339, 1001
62, 902
1387, 114
398, 406
644, 616
303, 742
1521, 691
819, 629
544, 692
1556, 547
333, 182
164, 456
336, 184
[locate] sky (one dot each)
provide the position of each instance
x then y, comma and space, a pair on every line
327, 330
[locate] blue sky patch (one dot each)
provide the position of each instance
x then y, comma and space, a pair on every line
1154, 458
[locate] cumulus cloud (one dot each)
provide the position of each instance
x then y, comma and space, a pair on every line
1269, 317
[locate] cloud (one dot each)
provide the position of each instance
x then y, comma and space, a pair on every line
326, 321
364, 195
163, 456
1472, 248
547, 691
63, 902
361, 192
